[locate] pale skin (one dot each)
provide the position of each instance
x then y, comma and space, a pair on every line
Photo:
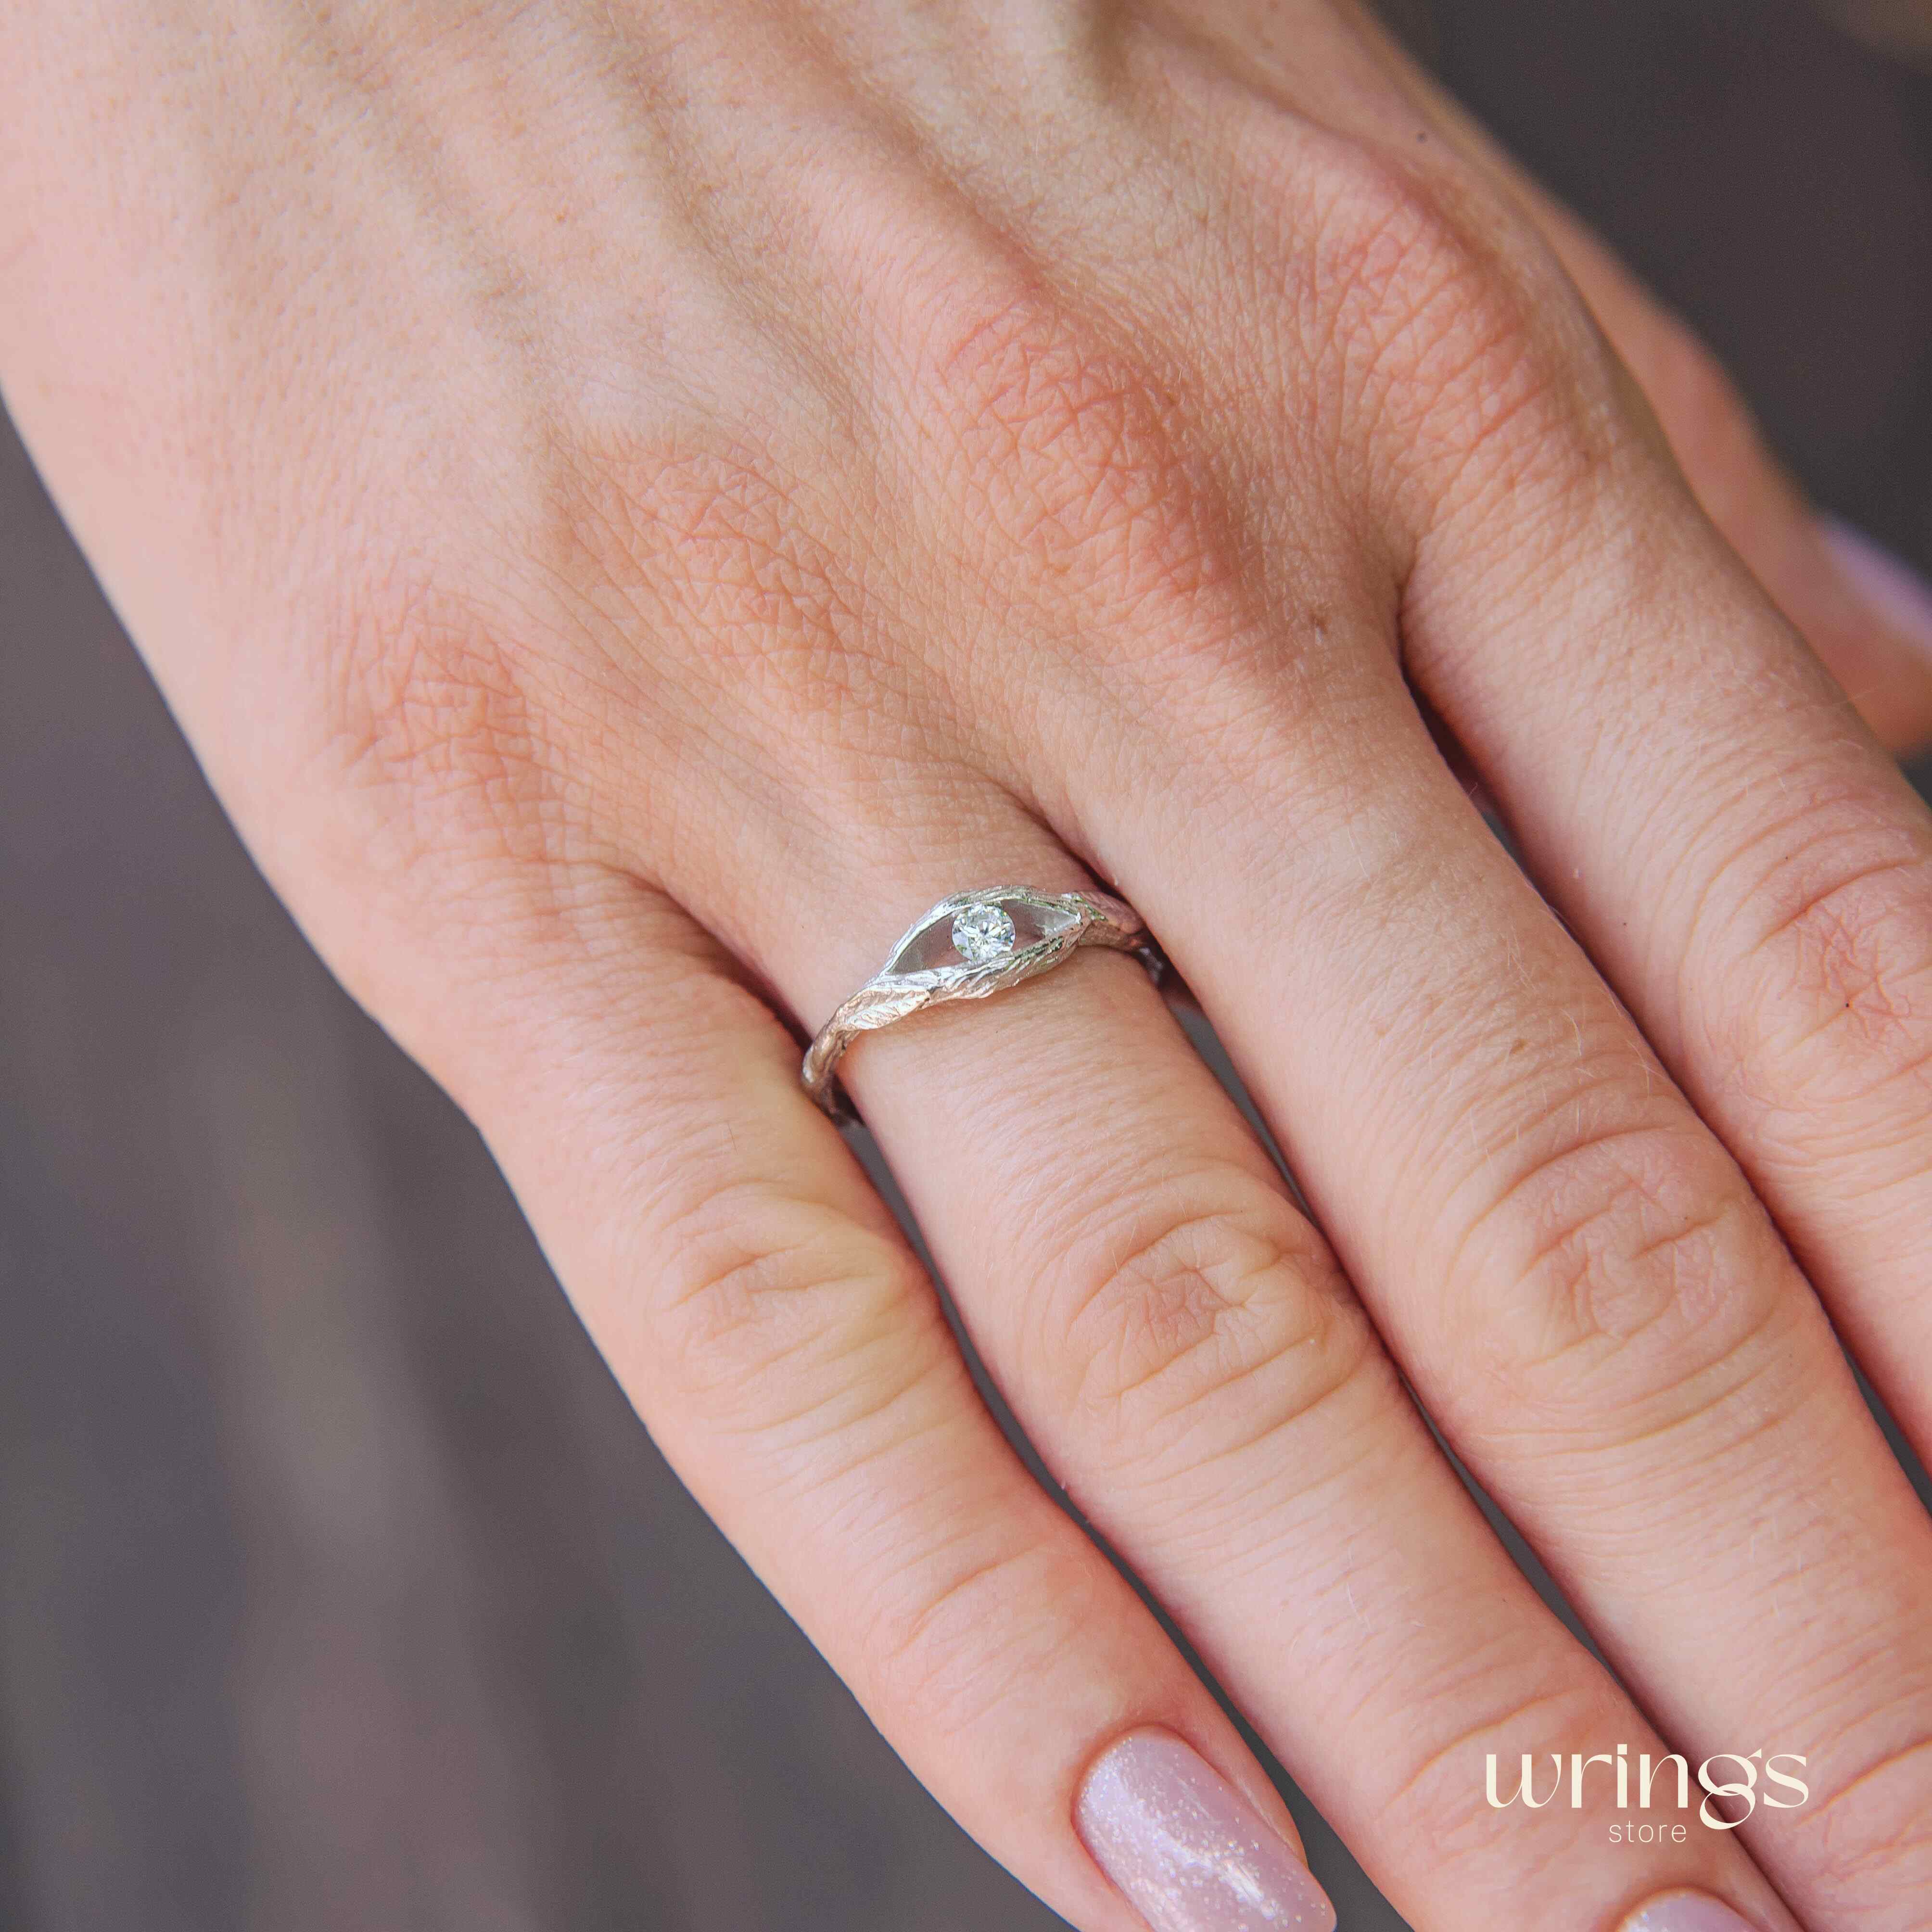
633, 502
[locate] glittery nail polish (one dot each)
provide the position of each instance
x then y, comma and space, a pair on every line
1686, 1911
1188, 1849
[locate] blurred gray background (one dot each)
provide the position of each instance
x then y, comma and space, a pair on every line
338, 1587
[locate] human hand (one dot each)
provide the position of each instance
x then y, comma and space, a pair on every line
632, 506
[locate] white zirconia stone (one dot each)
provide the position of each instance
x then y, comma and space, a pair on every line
981, 933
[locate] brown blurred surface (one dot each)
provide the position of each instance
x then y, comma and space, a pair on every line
338, 1587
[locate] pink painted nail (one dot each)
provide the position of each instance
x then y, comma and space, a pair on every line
1685, 1912
1885, 584
1190, 1852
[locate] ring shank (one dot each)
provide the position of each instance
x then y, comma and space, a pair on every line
1083, 919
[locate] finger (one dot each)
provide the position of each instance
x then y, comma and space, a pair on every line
1866, 614
1177, 1339
1757, 880
1570, 1268
754, 1299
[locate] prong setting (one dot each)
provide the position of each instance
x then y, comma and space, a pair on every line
967, 947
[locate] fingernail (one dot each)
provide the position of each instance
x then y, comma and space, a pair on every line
1190, 1852
1686, 1911
1887, 585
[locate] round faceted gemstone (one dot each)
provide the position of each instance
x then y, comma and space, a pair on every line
981, 933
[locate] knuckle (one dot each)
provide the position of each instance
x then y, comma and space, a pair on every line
964, 1633
1207, 1288
1054, 446
1632, 1250
432, 725
1868, 1842
1837, 991
750, 1280
1449, 325
1493, 1706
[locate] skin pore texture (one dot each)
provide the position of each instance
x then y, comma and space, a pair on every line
632, 502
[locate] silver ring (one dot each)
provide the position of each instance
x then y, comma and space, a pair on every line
968, 947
